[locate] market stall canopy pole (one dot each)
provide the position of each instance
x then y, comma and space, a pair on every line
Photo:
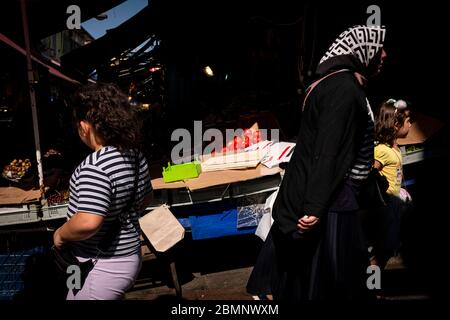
47, 17
53, 71
31, 82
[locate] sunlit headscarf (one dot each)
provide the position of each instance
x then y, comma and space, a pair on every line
354, 49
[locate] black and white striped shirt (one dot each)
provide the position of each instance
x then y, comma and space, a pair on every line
103, 184
362, 165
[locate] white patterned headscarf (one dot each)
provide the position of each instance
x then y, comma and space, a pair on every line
360, 42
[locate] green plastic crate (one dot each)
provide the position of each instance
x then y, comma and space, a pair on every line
183, 171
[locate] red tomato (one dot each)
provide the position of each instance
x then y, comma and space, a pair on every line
256, 136
246, 141
238, 143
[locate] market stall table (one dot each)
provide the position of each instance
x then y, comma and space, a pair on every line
207, 205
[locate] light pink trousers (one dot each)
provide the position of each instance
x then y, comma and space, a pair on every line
109, 279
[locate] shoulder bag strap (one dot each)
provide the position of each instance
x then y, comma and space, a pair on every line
112, 232
315, 83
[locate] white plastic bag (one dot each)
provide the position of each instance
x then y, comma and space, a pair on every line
404, 195
266, 221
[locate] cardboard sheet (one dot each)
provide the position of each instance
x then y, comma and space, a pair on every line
215, 178
12, 195
250, 157
161, 228
229, 176
421, 129
159, 183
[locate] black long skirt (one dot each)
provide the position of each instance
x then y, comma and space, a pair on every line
329, 263
265, 270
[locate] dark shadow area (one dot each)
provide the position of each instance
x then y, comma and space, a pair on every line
40, 280
27, 269
201, 256
425, 230
215, 255
403, 282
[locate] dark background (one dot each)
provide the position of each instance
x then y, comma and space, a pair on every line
269, 50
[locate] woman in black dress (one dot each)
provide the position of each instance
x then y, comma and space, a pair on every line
315, 249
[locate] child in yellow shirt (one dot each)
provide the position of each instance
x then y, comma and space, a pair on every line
391, 123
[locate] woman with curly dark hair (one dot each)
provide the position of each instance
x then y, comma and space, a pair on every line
108, 192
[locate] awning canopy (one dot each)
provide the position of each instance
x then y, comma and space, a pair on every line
83, 60
52, 70
46, 17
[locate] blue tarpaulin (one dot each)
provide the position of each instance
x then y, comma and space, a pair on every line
217, 225
214, 220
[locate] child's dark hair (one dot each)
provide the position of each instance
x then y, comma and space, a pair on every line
388, 120
108, 110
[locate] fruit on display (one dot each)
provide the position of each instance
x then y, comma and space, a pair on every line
251, 136
58, 197
16, 169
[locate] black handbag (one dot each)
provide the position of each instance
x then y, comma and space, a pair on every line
373, 191
64, 258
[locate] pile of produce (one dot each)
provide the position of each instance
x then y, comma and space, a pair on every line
58, 197
249, 137
16, 170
